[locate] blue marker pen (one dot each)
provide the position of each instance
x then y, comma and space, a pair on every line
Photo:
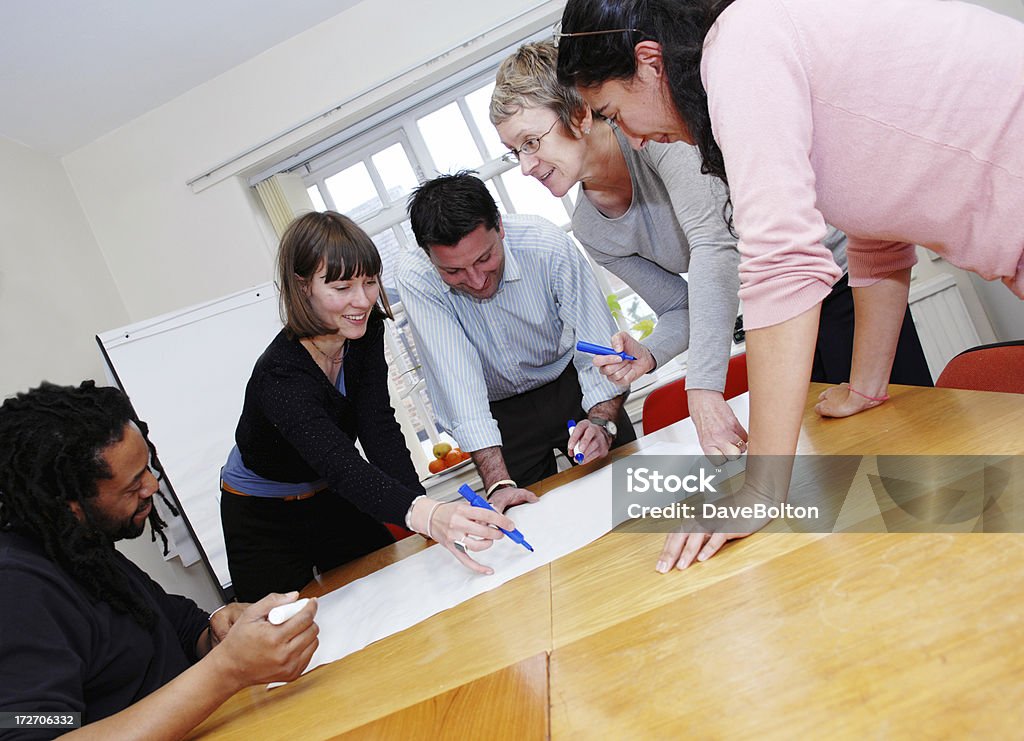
576, 454
593, 349
478, 501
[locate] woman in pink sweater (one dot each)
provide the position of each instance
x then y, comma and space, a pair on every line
901, 122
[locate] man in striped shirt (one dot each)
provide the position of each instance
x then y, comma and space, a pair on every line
496, 307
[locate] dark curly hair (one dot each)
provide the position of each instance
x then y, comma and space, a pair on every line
679, 26
444, 210
52, 440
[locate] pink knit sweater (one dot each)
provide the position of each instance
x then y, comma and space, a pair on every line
898, 121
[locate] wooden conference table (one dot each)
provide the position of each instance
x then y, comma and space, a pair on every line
780, 635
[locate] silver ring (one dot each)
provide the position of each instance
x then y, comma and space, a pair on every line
459, 546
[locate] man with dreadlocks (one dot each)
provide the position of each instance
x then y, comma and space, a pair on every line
81, 627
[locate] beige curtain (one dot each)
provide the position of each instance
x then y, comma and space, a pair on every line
284, 197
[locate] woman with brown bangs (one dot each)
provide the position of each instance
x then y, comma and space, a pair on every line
295, 492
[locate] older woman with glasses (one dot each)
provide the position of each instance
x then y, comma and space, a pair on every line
900, 121
648, 216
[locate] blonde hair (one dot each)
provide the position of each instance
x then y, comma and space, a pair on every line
528, 79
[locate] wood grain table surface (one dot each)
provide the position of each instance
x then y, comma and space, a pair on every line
781, 635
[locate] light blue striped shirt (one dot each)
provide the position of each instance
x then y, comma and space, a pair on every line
474, 352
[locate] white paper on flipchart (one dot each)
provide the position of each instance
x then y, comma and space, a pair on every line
431, 581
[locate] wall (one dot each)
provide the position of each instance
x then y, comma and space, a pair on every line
55, 289
1004, 310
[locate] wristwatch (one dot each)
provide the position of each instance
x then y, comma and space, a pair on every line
606, 424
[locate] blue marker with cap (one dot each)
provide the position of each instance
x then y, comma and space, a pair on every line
593, 349
576, 454
478, 501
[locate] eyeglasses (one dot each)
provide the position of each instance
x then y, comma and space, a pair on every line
530, 146
557, 34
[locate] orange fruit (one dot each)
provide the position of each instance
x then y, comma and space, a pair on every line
437, 465
453, 457
465, 456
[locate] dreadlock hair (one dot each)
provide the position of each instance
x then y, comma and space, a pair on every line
679, 26
52, 440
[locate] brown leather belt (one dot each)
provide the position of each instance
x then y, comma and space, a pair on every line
290, 498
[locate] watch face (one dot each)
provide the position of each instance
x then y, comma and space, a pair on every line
610, 426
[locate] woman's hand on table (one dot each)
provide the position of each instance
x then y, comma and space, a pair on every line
766, 483
721, 436
460, 528
681, 548
701, 539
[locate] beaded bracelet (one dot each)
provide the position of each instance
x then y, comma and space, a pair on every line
883, 397
430, 517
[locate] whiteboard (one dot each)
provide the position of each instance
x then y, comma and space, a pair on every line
185, 373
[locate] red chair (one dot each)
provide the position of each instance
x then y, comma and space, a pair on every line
667, 404
998, 367
398, 532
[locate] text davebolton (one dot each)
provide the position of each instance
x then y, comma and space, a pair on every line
712, 511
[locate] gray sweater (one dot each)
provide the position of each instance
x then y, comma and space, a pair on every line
675, 225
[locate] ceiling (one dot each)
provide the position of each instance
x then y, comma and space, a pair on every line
73, 70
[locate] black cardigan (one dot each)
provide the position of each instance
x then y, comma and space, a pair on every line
296, 426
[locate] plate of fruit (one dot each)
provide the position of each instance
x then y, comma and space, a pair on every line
447, 458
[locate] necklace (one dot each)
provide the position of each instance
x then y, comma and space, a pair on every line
332, 359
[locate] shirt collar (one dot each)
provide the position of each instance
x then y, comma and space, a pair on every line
512, 269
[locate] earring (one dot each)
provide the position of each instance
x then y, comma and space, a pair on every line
586, 131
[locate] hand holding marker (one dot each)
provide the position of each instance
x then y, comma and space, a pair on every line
478, 501
281, 613
593, 349
576, 454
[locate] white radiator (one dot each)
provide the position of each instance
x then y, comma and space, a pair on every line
942, 321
